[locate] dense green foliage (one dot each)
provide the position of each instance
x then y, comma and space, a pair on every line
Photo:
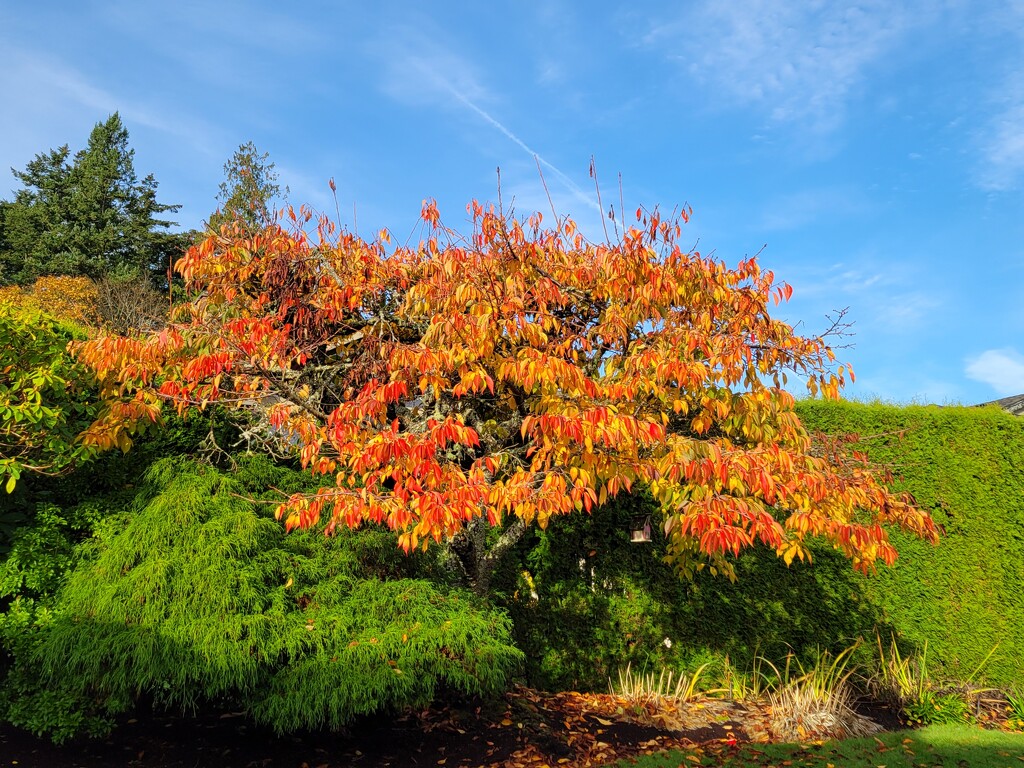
963, 465
85, 215
194, 596
601, 601
45, 396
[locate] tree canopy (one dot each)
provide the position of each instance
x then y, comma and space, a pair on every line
248, 190
86, 215
499, 379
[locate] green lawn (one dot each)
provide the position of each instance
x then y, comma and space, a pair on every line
950, 746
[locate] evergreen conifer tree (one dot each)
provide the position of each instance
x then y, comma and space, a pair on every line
248, 190
87, 215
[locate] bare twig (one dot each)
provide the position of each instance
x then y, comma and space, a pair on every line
593, 175
838, 327
546, 190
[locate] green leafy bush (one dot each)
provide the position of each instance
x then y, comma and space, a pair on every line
196, 596
934, 708
43, 549
45, 396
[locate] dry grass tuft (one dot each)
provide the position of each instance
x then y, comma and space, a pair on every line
818, 702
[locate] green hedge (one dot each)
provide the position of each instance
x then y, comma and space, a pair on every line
966, 466
602, 602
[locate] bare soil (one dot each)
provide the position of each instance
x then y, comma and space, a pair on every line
525, 728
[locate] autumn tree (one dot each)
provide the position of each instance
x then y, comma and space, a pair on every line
465, 388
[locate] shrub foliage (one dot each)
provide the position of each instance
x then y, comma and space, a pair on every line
963, 597
585, 601
195, 596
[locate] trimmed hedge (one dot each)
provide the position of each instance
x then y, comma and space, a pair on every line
966, 466
602, 602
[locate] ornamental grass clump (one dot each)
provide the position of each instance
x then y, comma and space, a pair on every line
1015, 710
817, 701
738, 685
655, 699
643, 688
904, 683
899, 679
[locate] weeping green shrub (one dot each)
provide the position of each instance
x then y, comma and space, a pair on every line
54, 514
197, 597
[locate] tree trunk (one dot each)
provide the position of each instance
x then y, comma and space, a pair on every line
471, 559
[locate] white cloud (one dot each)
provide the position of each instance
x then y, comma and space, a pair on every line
41, 83
798, 61
1002, 142
903, 311
420, 71
1001, 369
999, 139
887, 299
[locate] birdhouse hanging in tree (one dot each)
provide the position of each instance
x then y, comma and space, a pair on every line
640, 529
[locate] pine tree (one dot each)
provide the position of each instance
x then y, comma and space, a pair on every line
249, 187
89, 215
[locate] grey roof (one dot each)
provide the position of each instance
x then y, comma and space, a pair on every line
1013, 404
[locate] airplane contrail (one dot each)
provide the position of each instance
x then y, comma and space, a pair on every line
463, 99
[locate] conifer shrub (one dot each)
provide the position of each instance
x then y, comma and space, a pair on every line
195, 597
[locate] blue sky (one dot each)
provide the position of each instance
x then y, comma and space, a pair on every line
874, 150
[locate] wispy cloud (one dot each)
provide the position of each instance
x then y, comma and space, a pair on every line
903, 311
884, 299
46, 82
1001, 369
1001, 145
419, 71
1003, 154
798, 209
799, 62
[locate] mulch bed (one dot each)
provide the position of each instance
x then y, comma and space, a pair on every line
525, 728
